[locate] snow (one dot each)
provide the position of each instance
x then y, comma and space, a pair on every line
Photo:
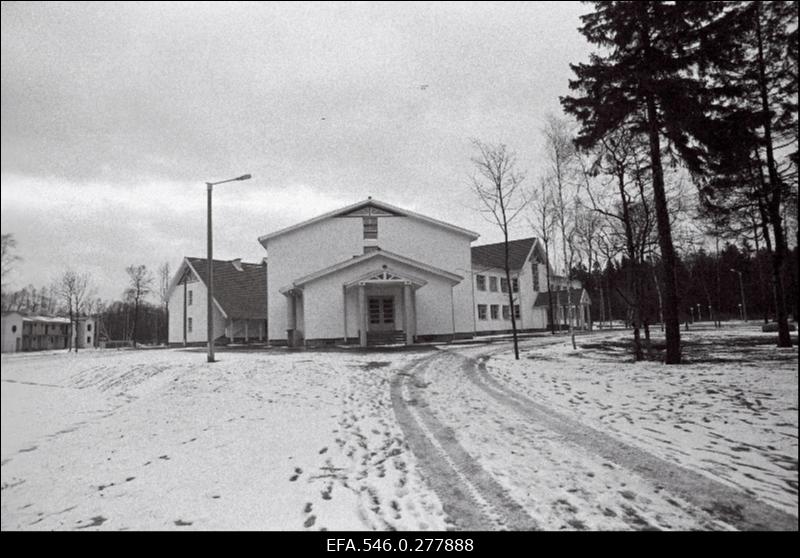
459, 436
733, 419
162, 440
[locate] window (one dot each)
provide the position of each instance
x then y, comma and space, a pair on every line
503, 285
88, 327
495, 311
535, 270
480, 280
493, 284
370, 228
13, 329
88, 340
189, 325
481, 311
517, 314
506, 313
189, 302
515, 284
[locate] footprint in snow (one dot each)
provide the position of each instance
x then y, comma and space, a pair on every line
309, 522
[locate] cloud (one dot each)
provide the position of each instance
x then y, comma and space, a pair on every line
114, 115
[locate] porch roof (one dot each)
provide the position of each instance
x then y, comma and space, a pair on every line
376, 255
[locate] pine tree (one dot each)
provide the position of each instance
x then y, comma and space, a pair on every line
753, 158
645, 78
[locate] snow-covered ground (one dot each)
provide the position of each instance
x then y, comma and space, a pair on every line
730, 414
163, 440
457, 437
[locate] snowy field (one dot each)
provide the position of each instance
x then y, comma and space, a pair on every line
455, 437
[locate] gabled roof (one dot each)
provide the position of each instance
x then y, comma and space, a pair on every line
379, 205
377, 254
239, 294
490, 256
560, 297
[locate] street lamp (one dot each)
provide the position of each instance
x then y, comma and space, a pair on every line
741, 290
210, 272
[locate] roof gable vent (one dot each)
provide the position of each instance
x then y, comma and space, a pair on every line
237, 263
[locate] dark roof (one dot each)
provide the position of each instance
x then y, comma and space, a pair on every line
241, 294
543, 299
493, 255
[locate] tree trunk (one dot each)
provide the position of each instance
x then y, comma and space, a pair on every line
774, 197
669, 261
671, 318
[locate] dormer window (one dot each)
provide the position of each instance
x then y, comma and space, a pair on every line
370, 228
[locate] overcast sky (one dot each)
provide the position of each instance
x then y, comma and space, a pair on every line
115, 114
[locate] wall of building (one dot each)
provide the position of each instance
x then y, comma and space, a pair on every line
324, 300
86, 333
525, 298
11, 333
197, 311
331, 241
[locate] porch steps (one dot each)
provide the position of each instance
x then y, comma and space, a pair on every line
386, 338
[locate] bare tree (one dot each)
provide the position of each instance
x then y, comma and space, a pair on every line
9, 258
74, 289
498, 186
560, 154
588, 225
618, 159
164, 278
141, 285
542, 224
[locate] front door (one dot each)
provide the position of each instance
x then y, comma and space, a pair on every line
381, 313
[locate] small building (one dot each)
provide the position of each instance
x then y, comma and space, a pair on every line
528, 266
34, 333
240, 302
579, 313
86, 333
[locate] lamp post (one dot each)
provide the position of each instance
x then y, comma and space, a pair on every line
741, 290
210, 269
699, 317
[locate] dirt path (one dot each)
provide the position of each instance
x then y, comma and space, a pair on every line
474, 498
470, 496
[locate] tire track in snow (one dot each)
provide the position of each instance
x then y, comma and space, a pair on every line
472, 498
716, 499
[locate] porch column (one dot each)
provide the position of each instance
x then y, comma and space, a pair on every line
230, 331
407, 313
291, 322
344, 312
247, 331
362, 308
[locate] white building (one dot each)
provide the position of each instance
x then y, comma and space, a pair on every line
531, 307
240, 302
368, 273
38, 333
